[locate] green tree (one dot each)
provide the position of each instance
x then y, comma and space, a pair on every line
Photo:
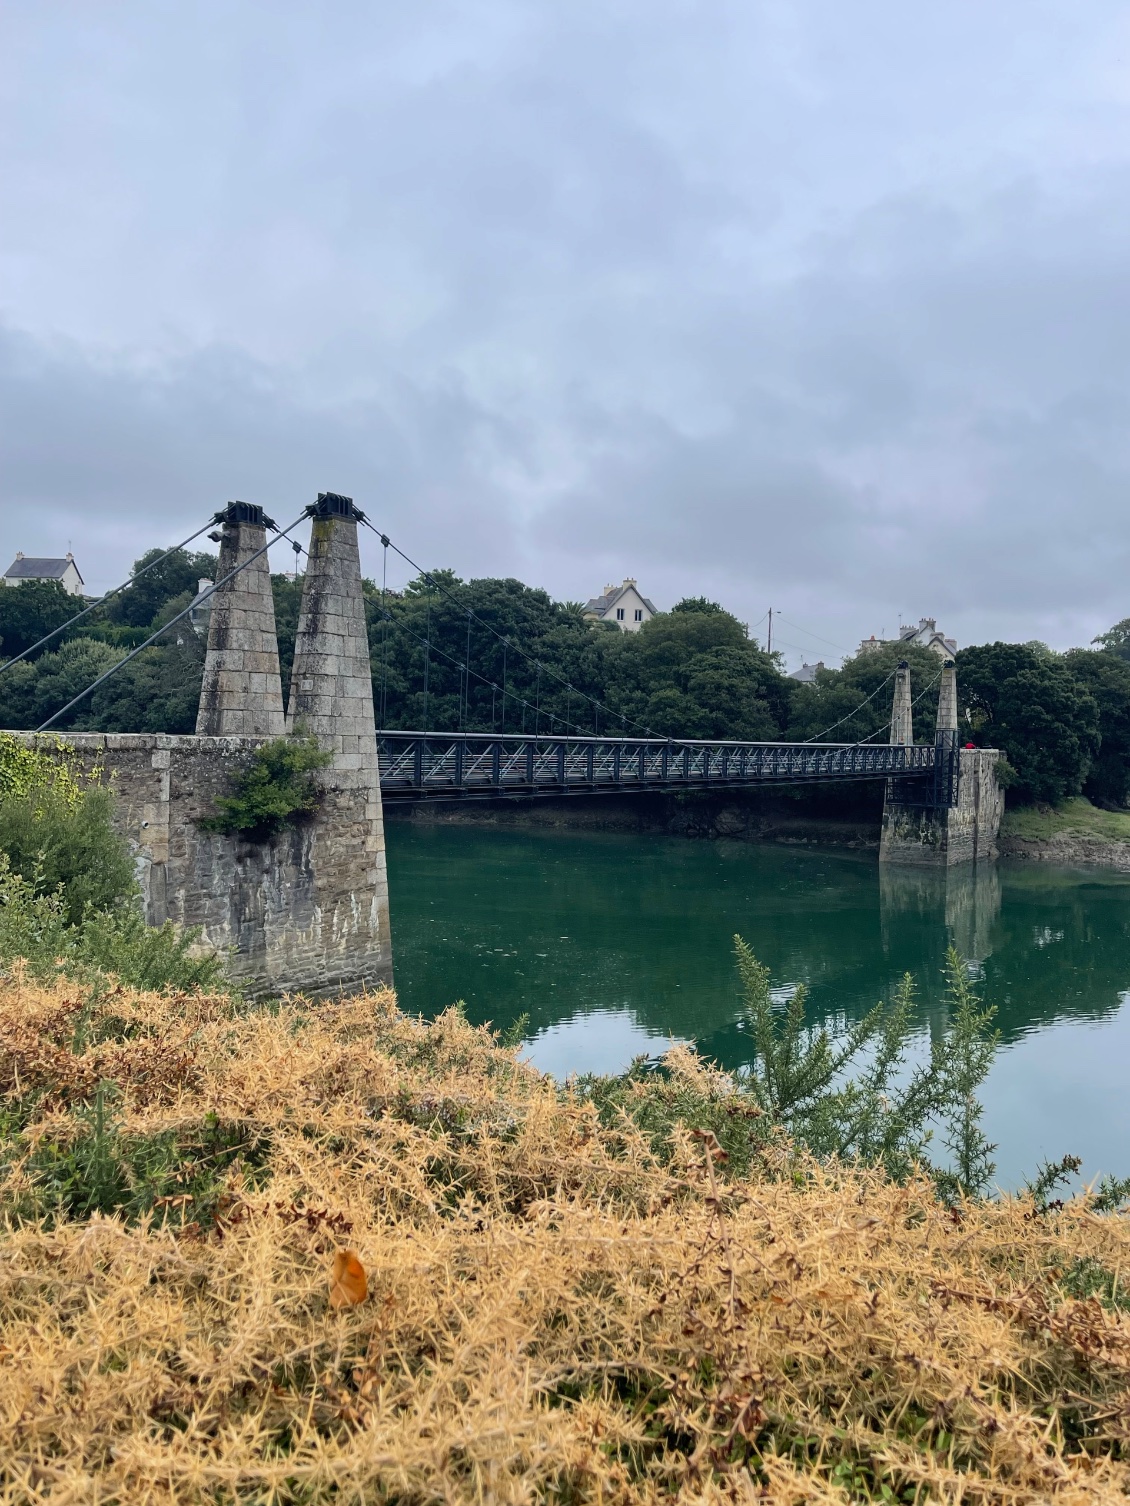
699, 604
141, 602
1030, 705
1106, 675
30, 611
159, 691
57, 678
859, 696
1116, 640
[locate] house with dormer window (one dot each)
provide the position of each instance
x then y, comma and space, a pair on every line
624, 605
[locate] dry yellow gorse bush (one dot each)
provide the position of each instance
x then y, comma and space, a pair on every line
553, 1313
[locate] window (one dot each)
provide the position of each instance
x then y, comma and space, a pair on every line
619, 614
639, 614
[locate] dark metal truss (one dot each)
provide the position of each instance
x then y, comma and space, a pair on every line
470, 765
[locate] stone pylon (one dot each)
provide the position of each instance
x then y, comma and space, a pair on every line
902, 717
241, 694
947, 703
331, 697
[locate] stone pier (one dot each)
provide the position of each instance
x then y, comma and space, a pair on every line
331, 697
241, 695
959, 819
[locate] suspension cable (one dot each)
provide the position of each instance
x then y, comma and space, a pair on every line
854, 711
203, 597
926, 689
494, 685
102, 600
384, 633
443, 590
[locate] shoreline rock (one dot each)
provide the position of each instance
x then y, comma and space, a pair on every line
1069, 850
701, 820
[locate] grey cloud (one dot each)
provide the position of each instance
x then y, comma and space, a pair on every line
816, 305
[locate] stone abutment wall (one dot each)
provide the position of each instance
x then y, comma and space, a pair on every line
306, 910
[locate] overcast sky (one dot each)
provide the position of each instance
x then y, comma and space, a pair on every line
798, 303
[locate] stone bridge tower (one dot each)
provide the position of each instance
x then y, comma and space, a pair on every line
331, 697
241, 695
957, 818
306, 909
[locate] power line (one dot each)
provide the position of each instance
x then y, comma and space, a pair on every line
203, 597
840, 649
54, 633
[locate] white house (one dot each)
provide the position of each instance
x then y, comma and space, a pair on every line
65, 571
925, 635
623, 605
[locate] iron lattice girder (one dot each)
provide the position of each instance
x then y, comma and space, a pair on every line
460, 765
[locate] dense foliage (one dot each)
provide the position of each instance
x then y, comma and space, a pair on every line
1106, 677
275, 788
497, 656
68, 896
1026, 701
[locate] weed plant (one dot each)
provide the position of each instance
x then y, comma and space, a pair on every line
69, 898
277, 788
57, 830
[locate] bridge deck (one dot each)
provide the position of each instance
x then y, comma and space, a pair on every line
470, 765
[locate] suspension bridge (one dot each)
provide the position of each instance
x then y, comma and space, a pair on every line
309, 907
420, 766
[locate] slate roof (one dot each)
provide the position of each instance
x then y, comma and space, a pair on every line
39, 569
607, 602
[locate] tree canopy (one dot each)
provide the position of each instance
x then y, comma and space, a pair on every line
495, 655
1029, 704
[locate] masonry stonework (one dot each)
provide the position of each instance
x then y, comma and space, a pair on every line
241, 694
306, 910
943, 836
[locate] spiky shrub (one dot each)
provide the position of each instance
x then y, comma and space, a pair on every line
276, 788
797, 1089
555, 1313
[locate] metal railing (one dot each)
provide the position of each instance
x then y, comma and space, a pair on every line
461, 765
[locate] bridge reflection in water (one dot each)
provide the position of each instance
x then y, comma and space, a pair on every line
462, 765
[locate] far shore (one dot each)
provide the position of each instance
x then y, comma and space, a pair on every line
1073, 834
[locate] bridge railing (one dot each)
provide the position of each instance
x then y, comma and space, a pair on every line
438, 765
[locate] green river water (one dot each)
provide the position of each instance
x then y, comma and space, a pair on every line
615, 945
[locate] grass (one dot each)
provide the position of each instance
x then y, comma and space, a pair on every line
1074, 817
557, 1310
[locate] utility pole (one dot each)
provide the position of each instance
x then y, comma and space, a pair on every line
769, 642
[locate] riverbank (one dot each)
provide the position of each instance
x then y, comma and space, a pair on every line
1074, 834
752, 816
535, 1305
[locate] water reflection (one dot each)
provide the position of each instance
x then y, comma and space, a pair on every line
563, 925
616, 944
